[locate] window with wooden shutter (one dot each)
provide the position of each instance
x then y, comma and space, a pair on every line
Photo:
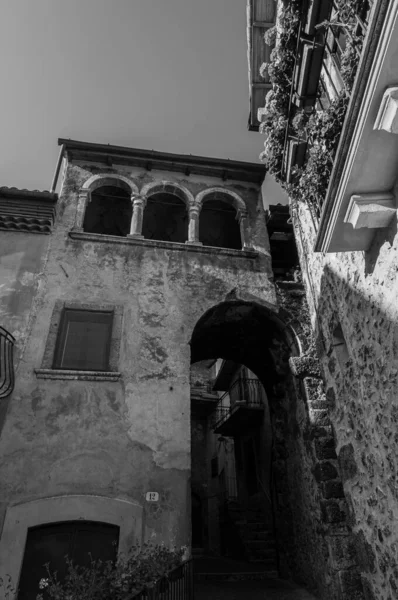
83, 341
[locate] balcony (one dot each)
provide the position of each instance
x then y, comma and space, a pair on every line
6, 363
240, 408
329, 44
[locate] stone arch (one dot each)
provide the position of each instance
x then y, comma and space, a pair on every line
126, 514
303, 458
220, 193
165, 216
168, 187
243, 331
105, 179
98, 181
222, 218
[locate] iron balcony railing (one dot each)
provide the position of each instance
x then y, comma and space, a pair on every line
6, 363
244, 392
176, 585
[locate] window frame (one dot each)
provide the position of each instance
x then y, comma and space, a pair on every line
48, 368
62, 335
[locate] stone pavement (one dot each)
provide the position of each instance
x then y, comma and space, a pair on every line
269, 589
230, 579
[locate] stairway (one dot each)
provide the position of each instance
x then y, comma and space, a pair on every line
257, 536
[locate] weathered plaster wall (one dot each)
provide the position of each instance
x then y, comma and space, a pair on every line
359, 291
122, 438
22, 258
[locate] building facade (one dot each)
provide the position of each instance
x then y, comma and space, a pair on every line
147, 272
336, 156
103, 310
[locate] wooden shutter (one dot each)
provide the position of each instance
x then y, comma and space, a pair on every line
84, 340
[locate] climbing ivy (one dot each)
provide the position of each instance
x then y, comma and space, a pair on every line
321, 128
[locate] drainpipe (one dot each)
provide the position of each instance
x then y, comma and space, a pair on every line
57, 169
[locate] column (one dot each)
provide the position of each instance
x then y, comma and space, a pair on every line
193, 227
241, 216
84, 198
139, 203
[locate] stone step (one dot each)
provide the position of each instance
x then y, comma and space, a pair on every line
271, 573
266, 544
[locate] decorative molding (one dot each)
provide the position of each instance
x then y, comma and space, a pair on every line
373, 211
168, 187
373, 53
114, 179
186, 247
77, 375
387, 117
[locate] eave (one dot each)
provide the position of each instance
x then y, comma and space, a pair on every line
260, 18
224, 169
366, 159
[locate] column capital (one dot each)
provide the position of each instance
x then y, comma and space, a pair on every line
241, 213
194, 208
84, 194
138, 199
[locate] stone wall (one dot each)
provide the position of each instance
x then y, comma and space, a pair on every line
354, 311
309, 506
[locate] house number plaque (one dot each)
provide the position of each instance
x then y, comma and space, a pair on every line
152, 496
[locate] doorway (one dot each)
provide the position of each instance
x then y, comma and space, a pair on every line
80, 541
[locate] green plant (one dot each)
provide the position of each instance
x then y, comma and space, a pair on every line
142, 567
7, 590
322, 128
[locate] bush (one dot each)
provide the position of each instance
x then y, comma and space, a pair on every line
142, 567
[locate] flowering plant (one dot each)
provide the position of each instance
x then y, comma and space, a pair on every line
141, 567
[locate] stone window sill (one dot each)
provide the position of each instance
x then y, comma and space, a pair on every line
77, 375
187, 247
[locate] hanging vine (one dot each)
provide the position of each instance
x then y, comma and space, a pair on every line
322, 128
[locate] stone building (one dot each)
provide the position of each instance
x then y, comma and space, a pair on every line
164, 385
336, 155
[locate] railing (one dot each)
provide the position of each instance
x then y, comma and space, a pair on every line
244, 392
176, 585
6, 363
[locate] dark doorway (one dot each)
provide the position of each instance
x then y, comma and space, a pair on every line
250, 466
197, 521
81, 541
165, 218
109, 212
218, 225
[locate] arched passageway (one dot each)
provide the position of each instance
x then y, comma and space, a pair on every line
278, 450
242, 339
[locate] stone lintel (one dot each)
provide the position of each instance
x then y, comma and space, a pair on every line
77, 375
387, 117
373, 211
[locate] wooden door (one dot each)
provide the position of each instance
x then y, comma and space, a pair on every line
81, 541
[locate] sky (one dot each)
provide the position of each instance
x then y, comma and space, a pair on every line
167, 75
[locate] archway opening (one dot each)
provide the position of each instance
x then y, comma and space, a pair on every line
233, 376
165, 218
109, 211
218, 226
